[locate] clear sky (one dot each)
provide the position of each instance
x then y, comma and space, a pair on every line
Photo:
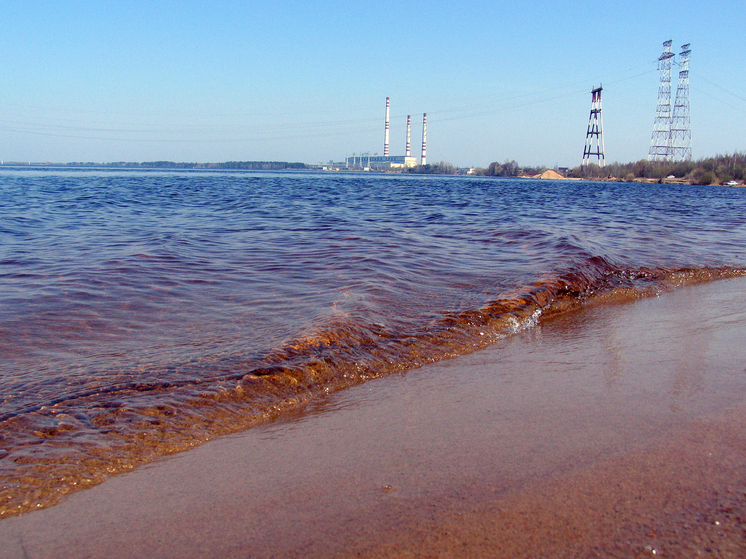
292, 80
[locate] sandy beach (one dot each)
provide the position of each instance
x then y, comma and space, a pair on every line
613, 431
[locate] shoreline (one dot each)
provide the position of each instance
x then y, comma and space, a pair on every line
615, 430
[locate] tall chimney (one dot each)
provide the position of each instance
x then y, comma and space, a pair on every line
409, 135
386, 137
424, 139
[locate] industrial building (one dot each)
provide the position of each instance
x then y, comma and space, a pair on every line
379, 162
392, 162
368, 162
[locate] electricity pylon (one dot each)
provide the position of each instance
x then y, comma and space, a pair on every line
595, 134
660, 143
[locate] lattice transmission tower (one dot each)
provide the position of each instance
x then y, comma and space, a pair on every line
660, 143
594, 137
681, 133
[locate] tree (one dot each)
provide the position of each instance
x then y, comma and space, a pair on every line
507, 169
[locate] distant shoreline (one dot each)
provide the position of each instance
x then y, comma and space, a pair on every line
236, 165
682, 181
549, 174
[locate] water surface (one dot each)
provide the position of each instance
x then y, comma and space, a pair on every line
143, 312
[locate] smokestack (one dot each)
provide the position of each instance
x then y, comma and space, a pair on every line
424, 139
409, 135
386, 138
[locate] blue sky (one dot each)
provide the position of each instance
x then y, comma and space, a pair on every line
300, 81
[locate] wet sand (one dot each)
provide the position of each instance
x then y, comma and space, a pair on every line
613, 431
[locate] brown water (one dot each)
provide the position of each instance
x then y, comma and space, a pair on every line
146, 312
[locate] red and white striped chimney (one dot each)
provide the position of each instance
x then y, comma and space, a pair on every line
424, 139
386, 137
409, 135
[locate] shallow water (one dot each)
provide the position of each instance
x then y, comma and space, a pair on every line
144, 312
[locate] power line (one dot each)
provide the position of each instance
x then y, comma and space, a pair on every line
272, 129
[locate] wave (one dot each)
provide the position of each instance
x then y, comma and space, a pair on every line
75, 442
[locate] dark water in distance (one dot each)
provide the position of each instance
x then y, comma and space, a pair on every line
143, 312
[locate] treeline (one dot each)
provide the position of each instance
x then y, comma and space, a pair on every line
257, 165
719, 169
248, 165
440, 168
508, 169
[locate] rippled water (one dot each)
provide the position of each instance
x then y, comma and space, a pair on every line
144, 312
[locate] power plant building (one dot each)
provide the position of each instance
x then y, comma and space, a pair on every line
395, 161
366, 161
392, 162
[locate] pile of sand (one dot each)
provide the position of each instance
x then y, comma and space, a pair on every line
548, 174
